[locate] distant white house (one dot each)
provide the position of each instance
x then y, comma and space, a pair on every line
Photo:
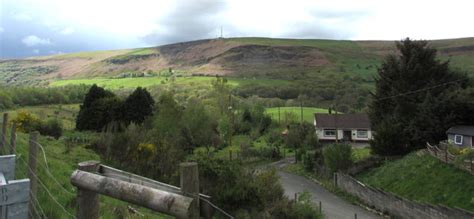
347, 127
461, 135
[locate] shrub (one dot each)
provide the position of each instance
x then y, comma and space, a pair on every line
337, 157
26, 122
303, 208
52, 127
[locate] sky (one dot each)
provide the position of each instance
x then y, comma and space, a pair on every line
46, 27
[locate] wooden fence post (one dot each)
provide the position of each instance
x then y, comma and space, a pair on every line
4, 133
87, 201
320, 208
472, 170
189, 182
446, 155
230, 154
32, 164
13, 139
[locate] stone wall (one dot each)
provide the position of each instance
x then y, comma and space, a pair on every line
395, 205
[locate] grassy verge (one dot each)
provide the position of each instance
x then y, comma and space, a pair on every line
423, 178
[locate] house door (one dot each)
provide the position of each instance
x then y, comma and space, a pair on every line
347, 135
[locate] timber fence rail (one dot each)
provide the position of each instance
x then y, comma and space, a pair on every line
93, 178
445, 156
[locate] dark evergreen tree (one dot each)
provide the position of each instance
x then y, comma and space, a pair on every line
94, 113
417, 98
138, 106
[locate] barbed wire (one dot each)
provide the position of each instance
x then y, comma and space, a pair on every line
46, 189
46, 168
37, 202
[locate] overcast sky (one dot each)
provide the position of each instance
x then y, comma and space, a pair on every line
44, 27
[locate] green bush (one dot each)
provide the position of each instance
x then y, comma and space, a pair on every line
308, 161
337, 157
27, 122
52, 127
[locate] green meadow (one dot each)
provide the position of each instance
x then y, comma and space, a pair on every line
294, 113
120, 83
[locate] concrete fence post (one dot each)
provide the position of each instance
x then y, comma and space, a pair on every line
87, 201
32, 165
189, 182
335, 179
13, 139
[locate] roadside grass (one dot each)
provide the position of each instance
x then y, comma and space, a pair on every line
424, 179
294, 113
359, 154
66, 113
61, 164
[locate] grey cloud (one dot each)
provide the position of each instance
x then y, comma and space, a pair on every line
33, 40
188, 20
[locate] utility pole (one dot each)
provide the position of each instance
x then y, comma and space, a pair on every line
231, 125
279, 115
301, 108
335, 124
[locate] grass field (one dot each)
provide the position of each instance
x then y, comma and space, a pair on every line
119, 83
60, 165
424, 179
294, 113
66, 113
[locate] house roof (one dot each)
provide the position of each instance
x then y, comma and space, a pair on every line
342, 121
461, 130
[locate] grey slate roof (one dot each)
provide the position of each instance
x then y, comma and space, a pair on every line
461, 130
342, 121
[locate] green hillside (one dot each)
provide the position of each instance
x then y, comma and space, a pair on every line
240, 57
425, 179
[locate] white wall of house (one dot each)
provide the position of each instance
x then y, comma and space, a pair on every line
357, 137
322, 136
340, 135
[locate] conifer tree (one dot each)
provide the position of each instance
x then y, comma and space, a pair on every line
414, 100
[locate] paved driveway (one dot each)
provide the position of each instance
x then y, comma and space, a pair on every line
332, 205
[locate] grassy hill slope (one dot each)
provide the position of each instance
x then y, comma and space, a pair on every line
242, 57
424, 179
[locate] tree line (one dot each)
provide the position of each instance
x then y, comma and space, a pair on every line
13, 96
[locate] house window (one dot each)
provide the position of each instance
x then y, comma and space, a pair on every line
458, 139
329, 132
362, 133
